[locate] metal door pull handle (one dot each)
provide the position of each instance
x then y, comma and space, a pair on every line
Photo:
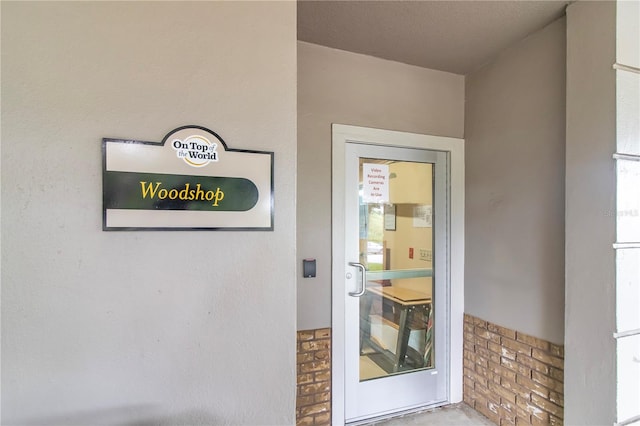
363, 279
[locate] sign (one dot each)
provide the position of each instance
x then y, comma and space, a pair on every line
422, 216
375, 183
190, 180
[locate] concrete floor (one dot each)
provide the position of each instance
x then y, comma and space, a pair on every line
451, 415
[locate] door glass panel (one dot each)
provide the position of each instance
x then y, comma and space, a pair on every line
396, 248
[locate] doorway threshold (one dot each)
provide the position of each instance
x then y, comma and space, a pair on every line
459, 414
379, 420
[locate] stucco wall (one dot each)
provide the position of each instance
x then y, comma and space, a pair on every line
335, 86
590, 378
515, 135
142, 327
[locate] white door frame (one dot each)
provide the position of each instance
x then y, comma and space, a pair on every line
341, 134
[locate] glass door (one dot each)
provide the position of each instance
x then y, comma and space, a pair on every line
396, 279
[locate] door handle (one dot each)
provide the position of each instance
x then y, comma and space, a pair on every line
363, 278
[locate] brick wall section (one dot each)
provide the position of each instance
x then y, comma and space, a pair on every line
313, 397
511, 377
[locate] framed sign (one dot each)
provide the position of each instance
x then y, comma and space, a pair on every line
422, 216
390, 217
190, 180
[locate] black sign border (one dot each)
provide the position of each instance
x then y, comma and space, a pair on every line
161, 143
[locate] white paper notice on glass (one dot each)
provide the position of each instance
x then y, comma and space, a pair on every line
375, 183
422, 217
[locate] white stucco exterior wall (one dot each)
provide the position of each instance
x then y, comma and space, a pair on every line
590, 365
143, 327
515, 161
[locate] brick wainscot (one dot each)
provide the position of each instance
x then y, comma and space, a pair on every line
313, 397
511, 377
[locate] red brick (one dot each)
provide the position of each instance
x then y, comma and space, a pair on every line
477, 378
540, 417
535, 421
305, 335
323, 419
556, 374
314, 366
468, 345
556, 398
532, 341
469, 337
322, 333
468, 363
502, 331
470, 355
501, 371
468, 383
303, 357
532, 409
480, 342
502, 351
532, 386
556, 350
507, 417
492, 356
469, 373
516, 346
532, 364
315, 345
515, 366
479, 323
495, 408
480, 360
313, 399
548, 382
322, 397
305, 378
322, 376
483, 409
548, 359
315, 409
468, 399
519, 390
305, 421
548, 406
502, 392
301, 401
315, 388
468, 327
320, 355
484, 372
553, 420
486, 394
509, 407
486, 334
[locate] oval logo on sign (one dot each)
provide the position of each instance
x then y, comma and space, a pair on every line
196, 151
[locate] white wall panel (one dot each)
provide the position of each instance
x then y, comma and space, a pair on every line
628, 201
629, 382
628, 289
628, 32
628, 112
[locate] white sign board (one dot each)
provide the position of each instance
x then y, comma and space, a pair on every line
191, 180
375, 183
422, 217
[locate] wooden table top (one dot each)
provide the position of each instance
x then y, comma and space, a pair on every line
401, 295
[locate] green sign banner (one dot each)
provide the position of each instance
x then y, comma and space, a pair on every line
153, 191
